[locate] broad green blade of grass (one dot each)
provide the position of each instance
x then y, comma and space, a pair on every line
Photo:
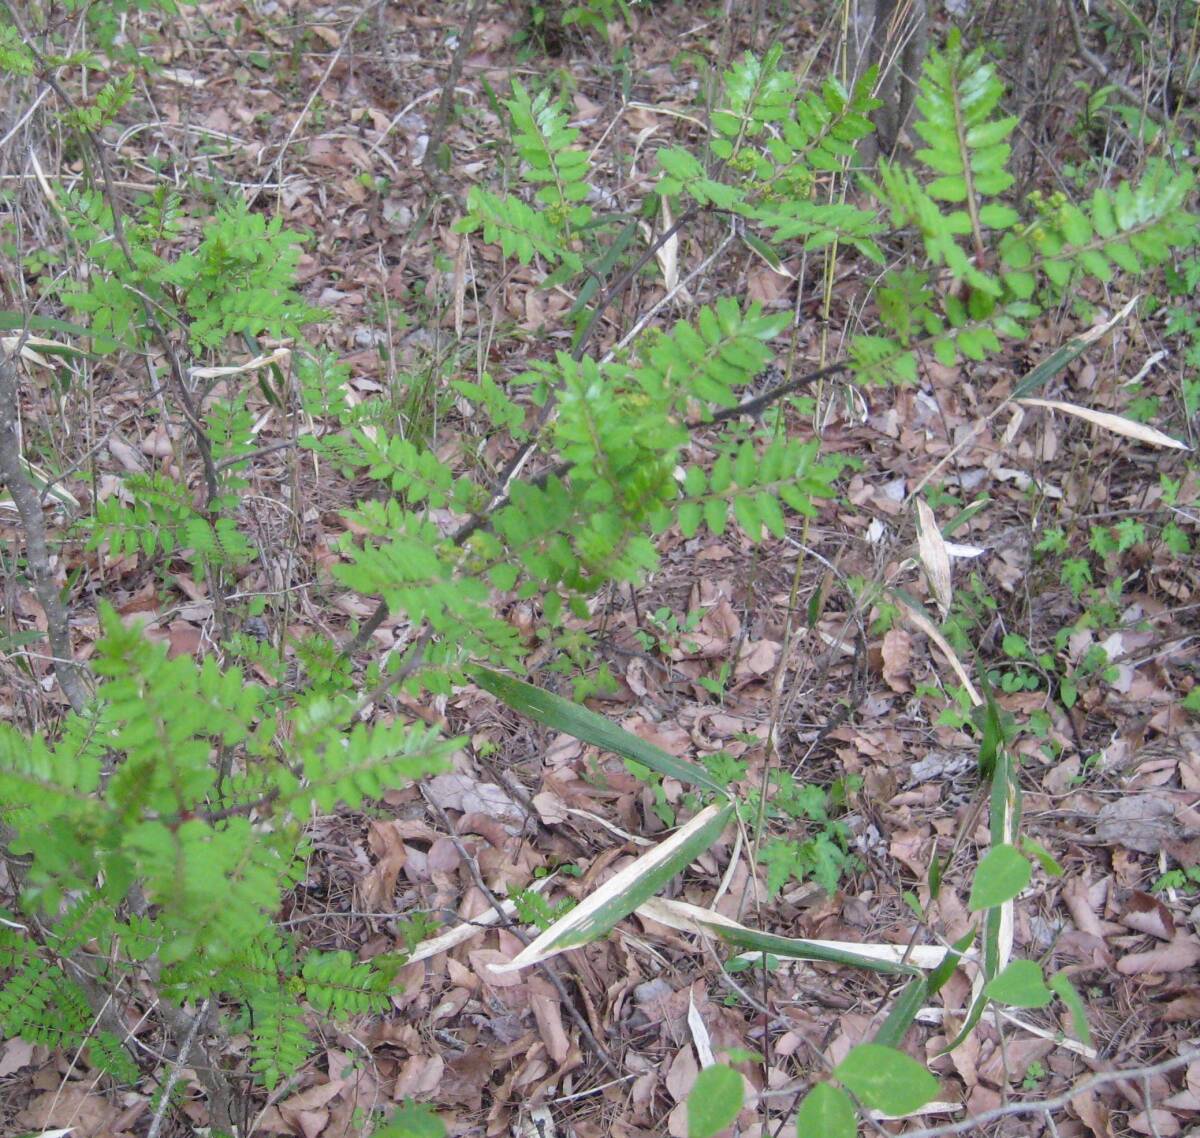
876, 957
562, 715
996, 764
9, 321
1070, 351
904, 1011
42, 482
917, 992
622, 893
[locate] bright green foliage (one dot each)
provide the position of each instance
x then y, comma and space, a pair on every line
615, 444
544, 142
412, 1120
967, 153
105, 104
534, 909
886, 1079
777, 145
1020, 985
15, 56
164, 825
824, 855
160, 519
1000, 876
826, 1112
184, 796
520, 230
707, 358
967, 145
558, 169
240, 279
714, 1101
822, 858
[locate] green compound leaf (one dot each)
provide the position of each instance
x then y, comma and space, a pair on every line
1020, 985
714, 1101
826, 1112
886, 1079
1000, 876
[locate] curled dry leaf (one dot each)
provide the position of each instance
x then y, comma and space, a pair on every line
1160, 1123
1141, 822
897, 659
484, 962
1115, 423
681, 1074
1180, 953
468, 796
547, 1012
1146, 914
757, 658
1093, 1113
934, 556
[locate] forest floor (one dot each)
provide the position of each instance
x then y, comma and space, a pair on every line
322, 115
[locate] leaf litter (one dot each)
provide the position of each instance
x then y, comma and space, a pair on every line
491, 1045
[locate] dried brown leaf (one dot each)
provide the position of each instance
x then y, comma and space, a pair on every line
1147, 914
897, 659
1180, 953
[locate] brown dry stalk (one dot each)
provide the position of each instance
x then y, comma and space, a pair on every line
37, 554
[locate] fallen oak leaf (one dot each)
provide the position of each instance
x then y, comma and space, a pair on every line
1180, 953
1146, 914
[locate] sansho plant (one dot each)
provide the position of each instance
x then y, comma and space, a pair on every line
155, 833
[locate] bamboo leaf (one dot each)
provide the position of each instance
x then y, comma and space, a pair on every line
622, 893
875, 957
562, 715
1118, 424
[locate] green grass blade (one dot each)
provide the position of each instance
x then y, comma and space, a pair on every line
617, 897
562, 715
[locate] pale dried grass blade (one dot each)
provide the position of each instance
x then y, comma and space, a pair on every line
700, 1036
934, 556
468, 931
280, 356
668, 253
923, 624
1118, 424
10, 345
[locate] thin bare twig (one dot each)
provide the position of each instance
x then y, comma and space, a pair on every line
277, 164
1105, 72
598, 1048
37, 555
437, 132
164, 1102
1044, 1106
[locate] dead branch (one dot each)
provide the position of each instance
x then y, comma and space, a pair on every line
37, 556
